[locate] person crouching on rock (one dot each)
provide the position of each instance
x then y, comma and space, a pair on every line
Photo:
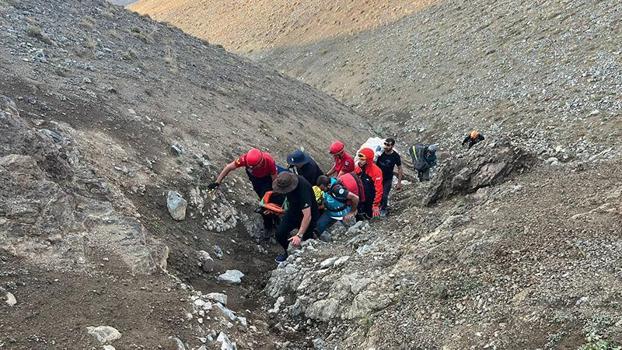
473, 138
302, 211
423, 158
339, 205
261, 170
371, 176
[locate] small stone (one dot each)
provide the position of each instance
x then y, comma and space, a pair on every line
177, 343
227, 312
342, 260
226, 343
217, 297
10, 299
109, 347
231, 276
206, 261
328, 262
552, 161
218, 252
104, 334
178, 149
176, 205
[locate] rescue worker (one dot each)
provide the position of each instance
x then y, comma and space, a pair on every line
304, 165
339, 205
423, 158
387, 162
302, 211
343, 161
472, 138
261, 171
371, 177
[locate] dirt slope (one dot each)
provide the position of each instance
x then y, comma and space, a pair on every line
96, 96
259, 25
549, 69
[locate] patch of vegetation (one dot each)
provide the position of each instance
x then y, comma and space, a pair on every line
129, 55
87, 22
6, 3
366, 323
90, 43
34, 31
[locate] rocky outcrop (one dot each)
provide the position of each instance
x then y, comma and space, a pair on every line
55, 211
484, 165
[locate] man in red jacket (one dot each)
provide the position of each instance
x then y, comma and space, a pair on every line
371, 176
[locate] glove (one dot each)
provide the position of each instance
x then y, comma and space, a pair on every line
375, 212
213, 186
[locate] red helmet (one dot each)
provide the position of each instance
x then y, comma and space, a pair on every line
254, 157
336, 147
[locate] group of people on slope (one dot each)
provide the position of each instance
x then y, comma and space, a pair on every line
305, 198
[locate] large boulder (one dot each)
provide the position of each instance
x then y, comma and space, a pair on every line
485, 165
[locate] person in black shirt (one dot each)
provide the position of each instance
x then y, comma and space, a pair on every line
387, 162
304, 166
302, 210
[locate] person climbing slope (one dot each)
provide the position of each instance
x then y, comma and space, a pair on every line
302, 211
343, 161
371, 176
387, 162
423, 158
304, 166
473, 138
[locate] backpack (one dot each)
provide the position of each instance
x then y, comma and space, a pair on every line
417, 153
359, 185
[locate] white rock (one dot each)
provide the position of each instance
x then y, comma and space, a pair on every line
104, 334
10, 299
176, 205
231, 276
109, 347
277, 305
226, 343
328, 262
217, 297
230, 314
342, 260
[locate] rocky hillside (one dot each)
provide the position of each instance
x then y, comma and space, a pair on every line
549, 70
531, 262
514, 244
103, 113
245, 27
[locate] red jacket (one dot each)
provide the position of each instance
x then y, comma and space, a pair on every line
374, 173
